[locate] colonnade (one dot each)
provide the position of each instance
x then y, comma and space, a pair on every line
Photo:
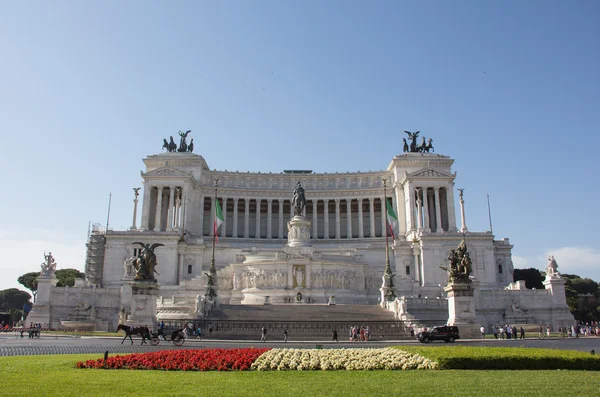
164, 212
266, 218
434, 207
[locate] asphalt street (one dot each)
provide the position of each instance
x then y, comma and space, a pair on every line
11, 345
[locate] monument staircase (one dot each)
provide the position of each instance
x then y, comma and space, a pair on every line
303, 321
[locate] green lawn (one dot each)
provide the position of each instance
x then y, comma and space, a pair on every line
472, 357
56, 376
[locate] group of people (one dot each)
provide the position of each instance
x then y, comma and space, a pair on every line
360, 334
506, 332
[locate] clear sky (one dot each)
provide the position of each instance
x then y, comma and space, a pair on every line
510, 89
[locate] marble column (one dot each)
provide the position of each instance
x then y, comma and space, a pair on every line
171, 209
451, 208
426, 208
280, 229
157, 218
361, 233
419, 210
269, 218
135, 204
223, 230
410, 191
178, 208
257, 233
337, 218
326, 219
201, 215
146, 206
372, 216
246, 218
314, 220
463, 229
438, 211
348, 218
235, 217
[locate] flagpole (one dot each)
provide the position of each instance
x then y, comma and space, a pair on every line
212, 261
387, 252
212, 271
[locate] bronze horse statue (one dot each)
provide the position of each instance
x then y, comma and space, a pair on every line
144, 332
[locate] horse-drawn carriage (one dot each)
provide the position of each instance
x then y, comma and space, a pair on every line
177, 336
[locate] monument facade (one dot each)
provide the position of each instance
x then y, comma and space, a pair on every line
326, 239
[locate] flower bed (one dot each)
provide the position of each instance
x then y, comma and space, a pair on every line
182, 360
266, 360
340, 359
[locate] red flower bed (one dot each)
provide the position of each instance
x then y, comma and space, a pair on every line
182, 360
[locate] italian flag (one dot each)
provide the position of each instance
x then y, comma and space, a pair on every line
391, 216
218, 219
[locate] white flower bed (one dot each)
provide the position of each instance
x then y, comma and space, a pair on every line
348, 359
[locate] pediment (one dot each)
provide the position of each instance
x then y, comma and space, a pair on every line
430, 173
166, 171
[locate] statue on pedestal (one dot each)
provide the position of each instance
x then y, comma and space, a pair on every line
48, 266
299, 200
552, 268
145, 263
461, 265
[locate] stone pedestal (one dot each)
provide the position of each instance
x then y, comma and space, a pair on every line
40, 313
461, 309
560, 315
298, 232
143, 303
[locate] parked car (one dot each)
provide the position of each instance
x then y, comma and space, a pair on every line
447, 333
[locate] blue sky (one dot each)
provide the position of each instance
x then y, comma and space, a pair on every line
509, 89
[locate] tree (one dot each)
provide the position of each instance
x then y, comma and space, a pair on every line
66, 277
582, 297
533, 277
29, 281
13, 299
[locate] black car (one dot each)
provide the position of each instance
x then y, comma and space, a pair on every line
447, 333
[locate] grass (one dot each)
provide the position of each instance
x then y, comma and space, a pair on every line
471, 357
56, 376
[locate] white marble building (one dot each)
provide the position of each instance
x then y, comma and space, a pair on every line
346, 256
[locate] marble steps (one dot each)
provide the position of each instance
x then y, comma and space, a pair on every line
301, 313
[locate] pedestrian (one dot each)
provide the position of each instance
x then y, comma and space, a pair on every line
541, 332
548, 331
263, 335
522, 333
495, 329
285, 335
334, 334
482, 329
514, 332
199, 332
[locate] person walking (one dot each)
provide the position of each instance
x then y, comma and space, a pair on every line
285, 335
482, 329
263, 336
522, 333
334, 334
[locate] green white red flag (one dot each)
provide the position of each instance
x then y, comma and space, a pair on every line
392, 219
218, 219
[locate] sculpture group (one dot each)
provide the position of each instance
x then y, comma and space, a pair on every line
145, 263
414, 147
171, 146
461, 265
49, 265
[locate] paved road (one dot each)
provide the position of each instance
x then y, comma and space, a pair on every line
11, 346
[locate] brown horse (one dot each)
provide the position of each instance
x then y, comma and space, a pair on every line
144, 332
